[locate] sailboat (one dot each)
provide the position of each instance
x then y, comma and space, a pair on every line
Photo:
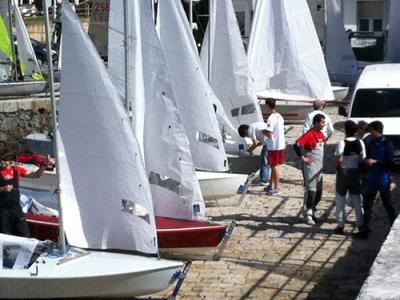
118, 195
225, 63
196, 103
287, 64
33, 81
175, 189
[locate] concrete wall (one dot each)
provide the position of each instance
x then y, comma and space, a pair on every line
18, 118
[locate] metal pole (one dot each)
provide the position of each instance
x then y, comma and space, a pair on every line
210, 24
61, 240
191, 14
126, 45
14, 62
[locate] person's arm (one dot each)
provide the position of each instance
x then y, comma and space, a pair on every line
254, 145
38, 173
329, 128
339, 155
299, 148
267, 133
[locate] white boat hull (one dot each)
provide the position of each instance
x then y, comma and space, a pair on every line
23, 88
216, 185
98, 274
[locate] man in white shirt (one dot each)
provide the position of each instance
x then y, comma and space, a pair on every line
318, 109
257, 132
275, 145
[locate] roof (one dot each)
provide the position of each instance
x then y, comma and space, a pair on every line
379, 76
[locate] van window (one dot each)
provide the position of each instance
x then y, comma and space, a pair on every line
374, 103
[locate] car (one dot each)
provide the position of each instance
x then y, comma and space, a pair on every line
27, 10
377, 97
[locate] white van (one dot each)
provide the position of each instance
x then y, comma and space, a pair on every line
377, 97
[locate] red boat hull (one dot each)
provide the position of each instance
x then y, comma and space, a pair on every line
171, 233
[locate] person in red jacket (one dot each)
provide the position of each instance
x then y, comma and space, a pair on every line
310, 147
12, 219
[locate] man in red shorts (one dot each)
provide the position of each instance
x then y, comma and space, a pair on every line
275, 144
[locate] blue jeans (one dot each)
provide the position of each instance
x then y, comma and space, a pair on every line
264, 169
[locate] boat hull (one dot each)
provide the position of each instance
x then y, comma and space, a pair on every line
216, 185
98, 274
171, 233
24, 88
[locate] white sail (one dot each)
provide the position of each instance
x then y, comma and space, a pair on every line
6, 55
340, 59
194, 95
285, 55
393, 43
26, 54
106, 197
229, 73
168, 160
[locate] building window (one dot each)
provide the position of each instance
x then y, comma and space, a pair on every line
240, 16
364, 25
378, 25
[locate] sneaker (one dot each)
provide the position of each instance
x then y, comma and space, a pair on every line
315, 219
267, 189
339, 230
272, 192
310, 221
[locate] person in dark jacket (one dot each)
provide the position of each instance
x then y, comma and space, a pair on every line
380, 154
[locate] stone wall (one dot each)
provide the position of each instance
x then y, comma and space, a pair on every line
20, 117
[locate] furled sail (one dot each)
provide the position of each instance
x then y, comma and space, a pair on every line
6, 53
106, 196
26, 54
226, 63
285, 55
393, 43
174, 186
194, 95
340, 59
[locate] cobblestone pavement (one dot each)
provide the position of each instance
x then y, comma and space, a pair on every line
274, 255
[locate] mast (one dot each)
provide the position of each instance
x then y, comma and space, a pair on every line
210, 9
61, 241
191, 14
126, 45
14, 63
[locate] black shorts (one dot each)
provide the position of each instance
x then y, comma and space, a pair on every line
348, 180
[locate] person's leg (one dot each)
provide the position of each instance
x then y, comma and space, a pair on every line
386, 199
357, 201
264, 168
20, 225
368, 203
340, 200
5, 222
309, 207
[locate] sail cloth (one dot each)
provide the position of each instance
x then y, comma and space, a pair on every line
285, 55
105, 194
193, 93
229, 70
6, 54
340, 59
26, 54
393, 43
174, 186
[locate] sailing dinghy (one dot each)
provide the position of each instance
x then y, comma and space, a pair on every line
118, 195
175, 190
196, 102
33, 81
286, 58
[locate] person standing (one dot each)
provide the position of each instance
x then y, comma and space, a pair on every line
380, 154
319, 106
275, 144
257, 133
310, 148
349, 154
12, 219
365, 137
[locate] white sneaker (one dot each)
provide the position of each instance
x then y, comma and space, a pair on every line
309, 220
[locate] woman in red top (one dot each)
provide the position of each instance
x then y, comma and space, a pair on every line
310, 147
12, 219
